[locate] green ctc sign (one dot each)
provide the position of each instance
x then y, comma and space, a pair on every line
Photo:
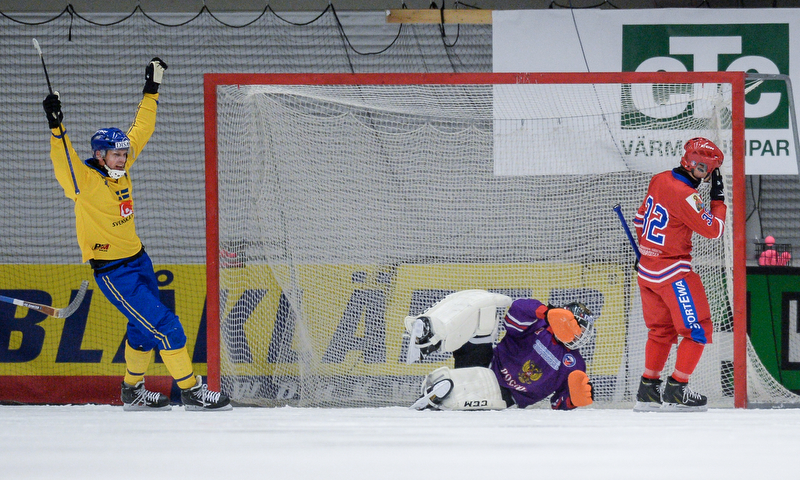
754, 48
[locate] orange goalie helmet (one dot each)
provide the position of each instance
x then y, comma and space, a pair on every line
701, 151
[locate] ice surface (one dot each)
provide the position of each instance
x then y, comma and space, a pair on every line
103, 442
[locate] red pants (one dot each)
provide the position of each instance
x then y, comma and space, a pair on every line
676, 308
679, 308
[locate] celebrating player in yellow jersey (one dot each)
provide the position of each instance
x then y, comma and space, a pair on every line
104, 218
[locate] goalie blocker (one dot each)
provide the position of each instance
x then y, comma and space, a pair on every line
537, 358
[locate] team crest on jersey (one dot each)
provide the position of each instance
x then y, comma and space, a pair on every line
568, 360
696, 202
126, 208
530, 373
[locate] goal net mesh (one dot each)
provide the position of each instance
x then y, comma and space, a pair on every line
344, 208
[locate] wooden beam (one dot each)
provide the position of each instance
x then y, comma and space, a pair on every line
431, 15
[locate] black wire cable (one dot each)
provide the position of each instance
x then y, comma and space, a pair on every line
70, 10
571, 7
347, 39
66, 10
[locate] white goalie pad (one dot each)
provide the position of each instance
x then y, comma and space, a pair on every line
473, 388
460, 316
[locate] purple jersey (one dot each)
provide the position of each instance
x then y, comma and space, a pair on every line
529, 362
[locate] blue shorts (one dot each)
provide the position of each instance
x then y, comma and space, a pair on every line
132, 287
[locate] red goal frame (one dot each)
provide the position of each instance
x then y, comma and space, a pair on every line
736, 79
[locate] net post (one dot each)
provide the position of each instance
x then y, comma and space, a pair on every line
739, 244
212, 233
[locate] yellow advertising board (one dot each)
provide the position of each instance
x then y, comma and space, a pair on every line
89, 341
336, 310
331, 308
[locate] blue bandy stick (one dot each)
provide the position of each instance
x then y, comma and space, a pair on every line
635, 247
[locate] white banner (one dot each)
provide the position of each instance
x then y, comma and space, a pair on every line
674, 40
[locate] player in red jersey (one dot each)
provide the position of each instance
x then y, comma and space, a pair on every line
674, 302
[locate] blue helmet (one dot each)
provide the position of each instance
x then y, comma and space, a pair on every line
110, 139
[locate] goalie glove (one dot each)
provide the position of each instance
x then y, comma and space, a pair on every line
52, 110
717, 187
581, 392
563, 324
153, 74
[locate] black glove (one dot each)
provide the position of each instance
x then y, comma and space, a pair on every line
153, 74
52, 109
717, 187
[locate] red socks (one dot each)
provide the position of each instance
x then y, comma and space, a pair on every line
656, 354
689, 353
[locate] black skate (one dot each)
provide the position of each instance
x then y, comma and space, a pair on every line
200, 397
678, 397
420, 345
648, 399
139, 398
432, 396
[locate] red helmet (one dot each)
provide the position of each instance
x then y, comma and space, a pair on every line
701, 150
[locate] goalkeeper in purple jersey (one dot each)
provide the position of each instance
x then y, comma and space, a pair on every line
102, 190
537, 358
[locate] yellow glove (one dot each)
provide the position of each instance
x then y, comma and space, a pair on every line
563, 323
580, 389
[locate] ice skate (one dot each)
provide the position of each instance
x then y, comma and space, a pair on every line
678, 397
200, 397
420, 345
434, 395
648, 399
139, 398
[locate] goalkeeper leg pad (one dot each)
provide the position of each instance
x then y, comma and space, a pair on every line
474, 388
457, 318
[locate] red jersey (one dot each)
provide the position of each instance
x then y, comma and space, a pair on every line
670, 212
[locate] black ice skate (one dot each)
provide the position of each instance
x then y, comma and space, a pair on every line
678, 397
200, 397
432, 396
648, 399
139, 398
420, 344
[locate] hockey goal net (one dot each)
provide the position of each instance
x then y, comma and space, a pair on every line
339, 204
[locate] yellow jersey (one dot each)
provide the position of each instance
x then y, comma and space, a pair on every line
104, 208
